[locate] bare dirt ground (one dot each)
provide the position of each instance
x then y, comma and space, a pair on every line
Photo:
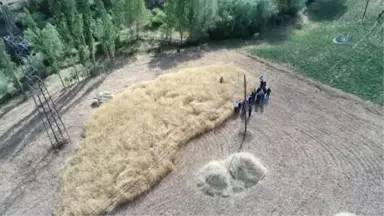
322, 148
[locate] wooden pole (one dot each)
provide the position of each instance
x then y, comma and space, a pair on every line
245, 113
246, 105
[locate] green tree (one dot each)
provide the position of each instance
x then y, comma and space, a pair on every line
3, 83
53, 48
129, 12
123, 15
68, 43
48, 42
240, 18
140, 14
106, 31
202, 17
66, 36
85, 8
178, 15
29, 22
9, 68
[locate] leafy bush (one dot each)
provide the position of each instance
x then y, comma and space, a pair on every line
241, 18
158, 17
40, 19
36, 61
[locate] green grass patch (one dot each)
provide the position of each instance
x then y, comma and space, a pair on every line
356, 68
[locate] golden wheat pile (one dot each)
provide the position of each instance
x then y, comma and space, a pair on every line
131, 141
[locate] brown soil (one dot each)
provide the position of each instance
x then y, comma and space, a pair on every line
322, 148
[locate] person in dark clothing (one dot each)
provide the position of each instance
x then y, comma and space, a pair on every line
259, 99
253, 95
263, 84
250, 109
266, 97
268, 92
243, 107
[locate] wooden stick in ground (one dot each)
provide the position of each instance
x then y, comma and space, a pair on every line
245, 112
246, 104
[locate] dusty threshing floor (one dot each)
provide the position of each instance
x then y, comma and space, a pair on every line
322, 148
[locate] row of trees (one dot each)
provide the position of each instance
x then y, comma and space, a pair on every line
219, 19
77, 29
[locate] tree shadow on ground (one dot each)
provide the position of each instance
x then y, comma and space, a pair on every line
171, 58
11, 105
277, 35
26, 130
326, 10
273, 34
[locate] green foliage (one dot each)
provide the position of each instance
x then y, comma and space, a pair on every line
178, 15
48, 42
40, 19
29, 22
106, 31
78, 29
88, 23
202, 17
3, 83
123, 14
158, 17
240, 18
36, 61
52, 45
289, 6
83, 54
129, 12
65, 34
220, 18
8, 68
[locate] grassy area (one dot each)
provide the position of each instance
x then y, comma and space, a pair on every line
356, 68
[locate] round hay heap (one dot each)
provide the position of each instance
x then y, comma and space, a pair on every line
235, 174
245, 169
214, 179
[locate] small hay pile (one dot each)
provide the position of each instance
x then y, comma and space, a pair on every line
245, 170
131, 141
233, 175
101, 98
214, 179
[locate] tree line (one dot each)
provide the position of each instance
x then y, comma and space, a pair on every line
78, 29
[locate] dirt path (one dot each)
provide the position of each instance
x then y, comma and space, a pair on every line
324, 153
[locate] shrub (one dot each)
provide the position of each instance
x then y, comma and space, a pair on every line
157, 18
240, 18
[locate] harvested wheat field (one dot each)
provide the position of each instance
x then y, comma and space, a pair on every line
322, 148
130, 142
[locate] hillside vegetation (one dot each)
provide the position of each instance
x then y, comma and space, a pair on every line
356, 68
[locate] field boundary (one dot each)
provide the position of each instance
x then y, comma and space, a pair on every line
334, 92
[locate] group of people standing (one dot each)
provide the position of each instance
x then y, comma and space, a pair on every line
258, 97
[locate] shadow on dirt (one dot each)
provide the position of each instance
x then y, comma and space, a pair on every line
11, 105
28, 128
173, 57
